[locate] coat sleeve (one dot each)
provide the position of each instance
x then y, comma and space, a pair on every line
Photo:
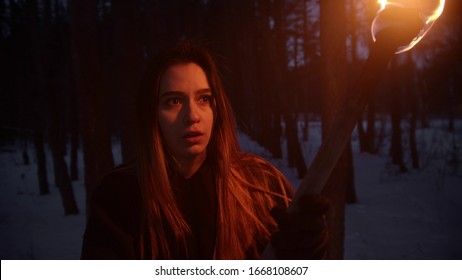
113, 226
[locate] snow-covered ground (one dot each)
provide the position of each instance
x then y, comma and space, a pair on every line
413, 215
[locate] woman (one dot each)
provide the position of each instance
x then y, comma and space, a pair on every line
191, 194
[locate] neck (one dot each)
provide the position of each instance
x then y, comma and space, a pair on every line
188, 166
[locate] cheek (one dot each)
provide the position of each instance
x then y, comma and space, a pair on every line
169, 116
166, 123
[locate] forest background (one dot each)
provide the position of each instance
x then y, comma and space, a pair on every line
70, 72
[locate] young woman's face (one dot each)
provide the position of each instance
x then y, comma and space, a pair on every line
185, 110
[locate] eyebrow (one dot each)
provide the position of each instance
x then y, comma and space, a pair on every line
204, 91
174, 92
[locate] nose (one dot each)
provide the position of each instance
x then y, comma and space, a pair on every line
191, 113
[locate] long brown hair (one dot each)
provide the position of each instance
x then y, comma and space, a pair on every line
247, 186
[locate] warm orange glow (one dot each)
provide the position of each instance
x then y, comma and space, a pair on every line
429, 12
382, 4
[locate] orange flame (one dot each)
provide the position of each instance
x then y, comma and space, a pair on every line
430, 11
382, 4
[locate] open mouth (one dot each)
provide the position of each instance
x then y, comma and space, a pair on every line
193, 137
192, 134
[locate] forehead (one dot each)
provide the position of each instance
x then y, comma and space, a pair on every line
183, 77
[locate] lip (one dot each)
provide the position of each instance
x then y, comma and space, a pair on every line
192, 136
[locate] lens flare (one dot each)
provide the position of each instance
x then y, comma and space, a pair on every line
429, 11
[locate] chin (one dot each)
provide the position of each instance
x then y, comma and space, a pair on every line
194, 151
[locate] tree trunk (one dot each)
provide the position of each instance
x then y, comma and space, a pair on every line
451, 101
396, 149
353, 67
424, 104
414, 110
361, 135
92, 95
369, 144
74, 126
270, 79
412, 140
25, 154
334, 85
41, 163
293, 145
370, 134
306, 126
128, 55
62, 179
276, 132
56, 136
37, 87
351, 196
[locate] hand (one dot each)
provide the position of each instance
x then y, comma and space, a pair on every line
302, 234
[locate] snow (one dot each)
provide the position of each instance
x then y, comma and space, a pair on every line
403, 217
413, 215
34, 226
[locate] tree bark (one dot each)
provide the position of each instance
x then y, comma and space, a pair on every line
50, 62
128, 56
354, 62
37, 87
414, 110
334, 85
74, 127
293, 145
451, 109
351, 196
62, 179
270, 80
424, 103
306, 126
369, 144
361, 135
396, 149
41, 163
92, 95
246, 77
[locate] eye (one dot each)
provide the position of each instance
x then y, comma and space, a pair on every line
205, 99
173, 101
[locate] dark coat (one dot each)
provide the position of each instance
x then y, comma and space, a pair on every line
115, 229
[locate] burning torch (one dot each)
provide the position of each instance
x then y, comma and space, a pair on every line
398, 26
